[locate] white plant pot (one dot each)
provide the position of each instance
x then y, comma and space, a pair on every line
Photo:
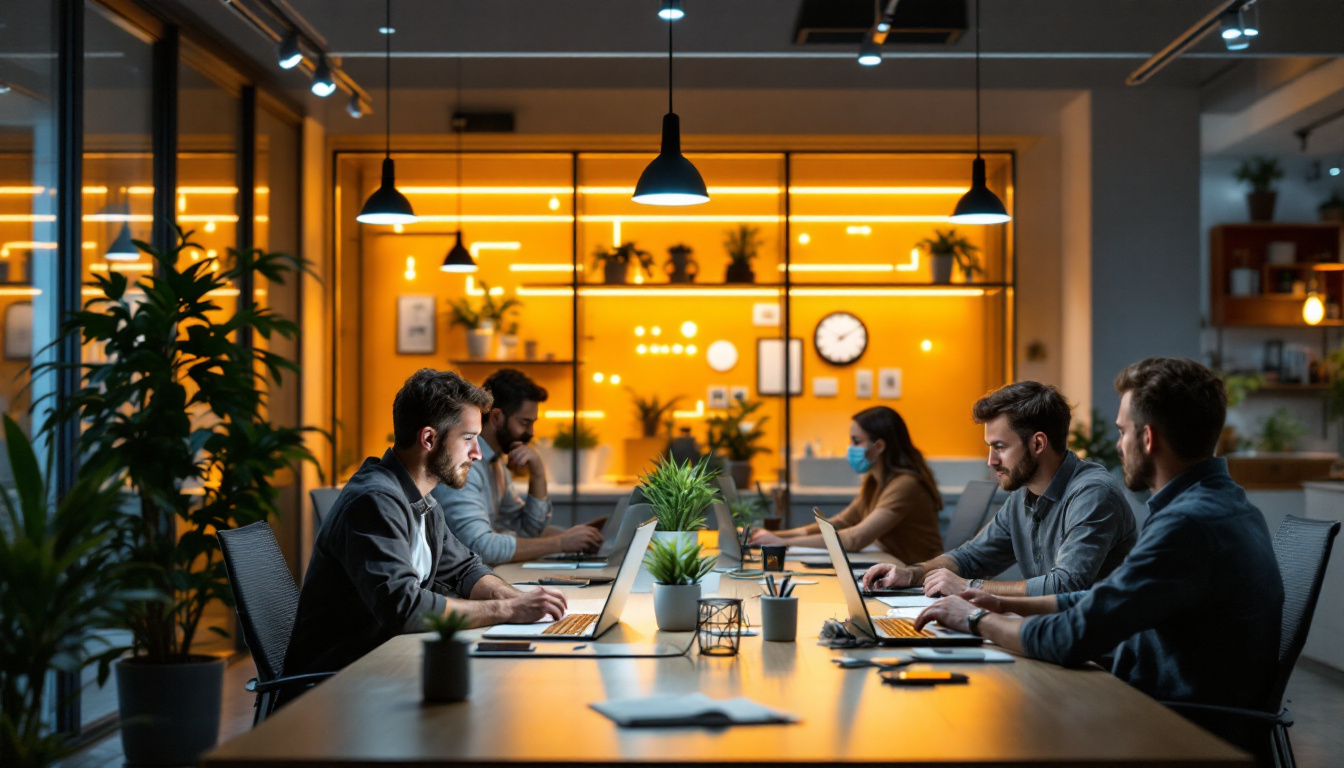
676, 606
478, 343
508, 346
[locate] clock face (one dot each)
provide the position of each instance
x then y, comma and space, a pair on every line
840, 338
721, 356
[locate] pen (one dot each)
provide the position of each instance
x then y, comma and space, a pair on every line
784, 586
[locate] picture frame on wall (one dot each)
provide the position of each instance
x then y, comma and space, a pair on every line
416, 321
770, 367
19, 331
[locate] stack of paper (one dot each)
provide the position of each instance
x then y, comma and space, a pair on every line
689, 709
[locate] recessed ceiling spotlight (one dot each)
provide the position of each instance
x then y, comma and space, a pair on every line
1334, 171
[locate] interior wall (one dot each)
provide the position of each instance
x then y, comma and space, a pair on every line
1075, 216
315, 341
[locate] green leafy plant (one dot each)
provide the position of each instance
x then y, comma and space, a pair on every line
949, 243
680, 493
671, 563
179, 411
1260, 173
736, 434
651, 411
447, 625
568, 438
748, 513
624, 254
489, 312
743, 244
1240, 385
1095, 442
60, 583
1280, 431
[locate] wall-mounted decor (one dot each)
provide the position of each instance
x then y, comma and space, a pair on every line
770, 367
840, 338
415, 325
889, 383
718, 397
739, 394
721, 356
765, 315
19, 331
825, 386
863, 383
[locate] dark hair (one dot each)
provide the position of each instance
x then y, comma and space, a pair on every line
900, 456
1183, 400
510, 388
431, 398
1031, 407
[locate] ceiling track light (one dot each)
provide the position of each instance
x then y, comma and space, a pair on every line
1250, 19
1214, 19
671, 11
979, 205
323, 83
353, 108
289, 54
670, 179
870, 51
387, 205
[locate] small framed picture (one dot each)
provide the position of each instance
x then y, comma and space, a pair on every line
415, 325
19, 331
718, 398
765, 315
739, 394
770, 367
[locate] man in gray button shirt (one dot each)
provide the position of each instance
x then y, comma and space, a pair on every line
1066, 523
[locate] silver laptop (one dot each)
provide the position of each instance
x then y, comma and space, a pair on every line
588, 625
615, 536
730, 546
884, 630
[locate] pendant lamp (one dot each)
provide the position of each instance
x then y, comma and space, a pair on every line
122, 248
670, 179
979, 205
458, 258
386, 205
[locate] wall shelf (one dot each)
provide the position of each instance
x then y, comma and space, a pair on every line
485, 361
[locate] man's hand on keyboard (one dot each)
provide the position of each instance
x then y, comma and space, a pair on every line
941, 582
951, 612
534, 605
889, 576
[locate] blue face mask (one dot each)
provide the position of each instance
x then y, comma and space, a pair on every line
857, 460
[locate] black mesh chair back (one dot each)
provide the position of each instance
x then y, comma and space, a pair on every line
971, 514
323, 500
1302, 548
264, 592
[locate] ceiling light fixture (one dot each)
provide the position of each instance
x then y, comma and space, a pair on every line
671, 10
459, 258
1229, 24
323, 84
1213, 20
1313, 309
1250, 19
979, 205
289, 53
870, 52
386, 205
670, 179
387, 30
353, 108
122, 249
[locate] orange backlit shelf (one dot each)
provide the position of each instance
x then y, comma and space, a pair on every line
483, 361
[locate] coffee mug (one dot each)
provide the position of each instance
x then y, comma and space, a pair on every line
772, 557
779, 619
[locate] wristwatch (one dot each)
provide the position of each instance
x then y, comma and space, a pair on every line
973, 621
976, 584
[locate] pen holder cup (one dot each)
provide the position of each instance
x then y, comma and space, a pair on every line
718, 629
779, 619
772, 557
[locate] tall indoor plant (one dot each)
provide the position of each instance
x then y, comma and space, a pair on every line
179, 410
1260, 173
947, 247
737, 437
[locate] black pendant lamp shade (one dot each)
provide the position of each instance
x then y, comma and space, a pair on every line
122, 248
671, 179
979, 205
458, 258
386, 205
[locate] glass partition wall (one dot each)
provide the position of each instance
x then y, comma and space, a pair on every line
621, 304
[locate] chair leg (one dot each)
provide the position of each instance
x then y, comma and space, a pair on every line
1283, 748
257, 710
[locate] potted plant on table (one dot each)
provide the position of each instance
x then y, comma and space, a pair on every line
736, 436
679, 495
178, 411
743, 245
1260, 173
446, 672
947, 247
677, 569
482, 322
651, 412
615, 264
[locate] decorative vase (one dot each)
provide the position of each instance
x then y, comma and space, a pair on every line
1261, 205
169, 712
508, 346
739, 272
676, 606
680, 267
446, 672
941, 264
478, 343
740, 471
613, 272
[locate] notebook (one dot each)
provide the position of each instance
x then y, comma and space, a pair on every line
689, 709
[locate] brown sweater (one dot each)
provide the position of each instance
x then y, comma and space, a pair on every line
903, 520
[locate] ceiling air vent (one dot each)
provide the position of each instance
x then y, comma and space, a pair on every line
915, 22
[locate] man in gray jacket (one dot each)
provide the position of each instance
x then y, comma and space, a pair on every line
384, 560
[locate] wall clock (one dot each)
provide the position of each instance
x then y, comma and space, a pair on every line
841, 338
721, 356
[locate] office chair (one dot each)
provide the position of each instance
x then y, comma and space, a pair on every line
1302, 548
267, 600
971, 514
323, 499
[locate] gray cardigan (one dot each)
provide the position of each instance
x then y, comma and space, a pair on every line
361, 588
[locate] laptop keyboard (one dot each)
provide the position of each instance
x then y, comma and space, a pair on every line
573, 624
901, 628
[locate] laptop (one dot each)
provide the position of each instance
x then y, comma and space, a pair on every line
884, 630
730, 546
616, 535
588, 625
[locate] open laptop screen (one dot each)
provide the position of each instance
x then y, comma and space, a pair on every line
849, 586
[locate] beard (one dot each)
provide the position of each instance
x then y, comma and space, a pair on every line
439, 464
507, 438
1021, 473
1139, 469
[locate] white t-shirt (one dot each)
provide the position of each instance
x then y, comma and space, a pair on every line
421, 558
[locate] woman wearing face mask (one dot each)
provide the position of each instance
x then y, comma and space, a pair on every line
898, 502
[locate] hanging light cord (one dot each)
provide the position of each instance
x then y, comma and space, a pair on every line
669, 67
387, 77
457, 127
977, 79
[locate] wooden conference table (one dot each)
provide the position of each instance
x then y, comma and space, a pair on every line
534, 712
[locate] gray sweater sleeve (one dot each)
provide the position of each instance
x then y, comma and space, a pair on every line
467, 512
377, 558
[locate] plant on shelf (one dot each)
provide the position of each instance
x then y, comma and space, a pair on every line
651, 411
1260, 173
60, 585
446, 671
680, 493
615, 263
736, 436
1095, 442
1238, 386
677, 568
1332, 210
743, 245
567, 438
482, 321
1279, 432
947, 247
576, 447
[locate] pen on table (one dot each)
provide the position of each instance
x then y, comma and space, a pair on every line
785, 585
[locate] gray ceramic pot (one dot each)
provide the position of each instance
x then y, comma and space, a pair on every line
446, 671
169, 712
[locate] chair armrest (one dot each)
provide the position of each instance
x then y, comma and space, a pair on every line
313, 678
1282, 717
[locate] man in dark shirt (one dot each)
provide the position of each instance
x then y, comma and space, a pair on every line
384, 560
1193, 614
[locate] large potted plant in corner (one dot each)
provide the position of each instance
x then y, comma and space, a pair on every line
743, 245
679, 495
651, 412
481, 323
179, 410
60, 583
615, 264
736, 436
677, 569
1260, 173
945, 248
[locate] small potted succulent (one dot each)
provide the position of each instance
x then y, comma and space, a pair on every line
481, 322
1260, 173
446, 672
677, 569
679, 495
742, 245
947, 247
616, 263
680, 267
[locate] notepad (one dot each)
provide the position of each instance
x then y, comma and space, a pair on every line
692, 709
908, 601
